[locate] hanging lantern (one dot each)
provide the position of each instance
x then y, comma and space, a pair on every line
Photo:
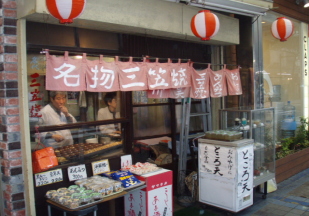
65, 10
282, 28
205, 25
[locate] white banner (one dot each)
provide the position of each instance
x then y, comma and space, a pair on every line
245, 170
218, 160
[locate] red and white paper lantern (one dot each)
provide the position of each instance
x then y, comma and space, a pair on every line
65, 10
282, 28
205, 25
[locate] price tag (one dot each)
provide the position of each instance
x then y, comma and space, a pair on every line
126, 160
49, 177
77, 172
99, 167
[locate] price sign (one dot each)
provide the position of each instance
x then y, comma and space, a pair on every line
99, 167
126, 160
49, 177
77, 172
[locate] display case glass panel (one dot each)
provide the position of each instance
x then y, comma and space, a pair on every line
256, 124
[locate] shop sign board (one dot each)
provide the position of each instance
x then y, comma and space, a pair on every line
45, 178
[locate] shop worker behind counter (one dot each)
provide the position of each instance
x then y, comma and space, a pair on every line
109, 112
56, 113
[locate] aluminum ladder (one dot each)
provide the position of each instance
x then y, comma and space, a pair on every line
204, 112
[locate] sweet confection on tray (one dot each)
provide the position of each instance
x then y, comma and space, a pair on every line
223, 135
70, 152
85, 191
141, 168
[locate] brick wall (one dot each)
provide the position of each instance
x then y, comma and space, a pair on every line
10, 147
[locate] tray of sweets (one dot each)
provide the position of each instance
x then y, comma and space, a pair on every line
78, 206
153, 171
141, 168
84, 150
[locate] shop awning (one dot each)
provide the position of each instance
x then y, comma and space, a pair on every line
245, 7
154, 18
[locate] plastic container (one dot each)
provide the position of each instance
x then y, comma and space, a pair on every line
72, 204
117, 186
109, 189
288, 125
76, 195
96, 196
289, 112
85, 199
49, 194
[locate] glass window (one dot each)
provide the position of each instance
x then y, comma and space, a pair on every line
57, 118
151, 120
283, 74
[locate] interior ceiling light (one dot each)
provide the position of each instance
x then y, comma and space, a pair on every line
306, 2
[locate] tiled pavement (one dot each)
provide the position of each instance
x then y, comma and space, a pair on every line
290, 199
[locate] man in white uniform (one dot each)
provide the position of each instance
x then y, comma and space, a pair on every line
109, 112
56, 113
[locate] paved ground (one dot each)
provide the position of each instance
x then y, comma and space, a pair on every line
290, 199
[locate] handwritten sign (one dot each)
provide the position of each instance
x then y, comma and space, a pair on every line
99, 167
48, 177
218, 160
77, 172
126, 160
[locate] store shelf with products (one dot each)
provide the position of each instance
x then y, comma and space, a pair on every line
259, 125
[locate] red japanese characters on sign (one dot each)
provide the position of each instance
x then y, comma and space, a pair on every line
34, 94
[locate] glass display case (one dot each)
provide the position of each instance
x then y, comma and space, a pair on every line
256, 124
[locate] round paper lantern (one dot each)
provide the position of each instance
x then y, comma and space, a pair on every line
205, 25
65, 10
282, 28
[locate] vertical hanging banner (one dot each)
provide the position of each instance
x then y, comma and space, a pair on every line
233, 82
101, 76
64, 73
132, 75
159, 75
217, 84
180, 75
200, 84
